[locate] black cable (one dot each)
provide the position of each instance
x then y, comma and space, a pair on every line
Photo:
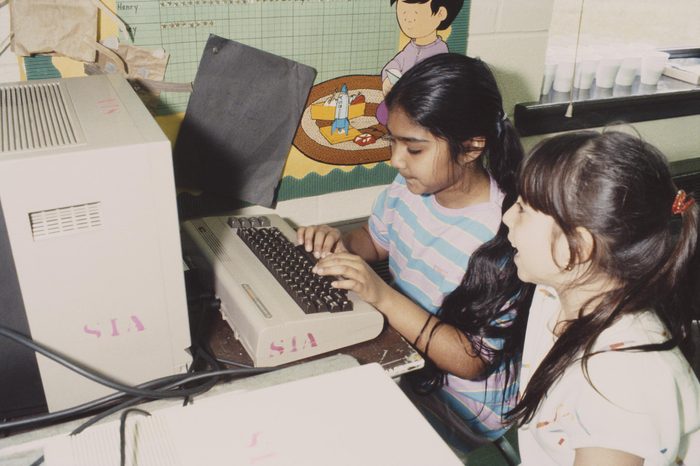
135, 400
197, 376
178, 379
233, 363
93, 405
139, 392
122, 432
87, 373
200, 346
115, 409
201, 353
89, 406
82, 408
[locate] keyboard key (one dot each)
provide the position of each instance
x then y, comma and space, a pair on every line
291, 266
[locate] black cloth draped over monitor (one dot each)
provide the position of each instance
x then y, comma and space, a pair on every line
240, 121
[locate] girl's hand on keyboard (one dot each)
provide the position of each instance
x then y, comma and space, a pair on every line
320, 240
354, 274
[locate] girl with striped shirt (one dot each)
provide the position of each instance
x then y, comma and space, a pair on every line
457, 156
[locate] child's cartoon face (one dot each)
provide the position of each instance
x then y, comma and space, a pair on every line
417, 20
540, 245
421, 158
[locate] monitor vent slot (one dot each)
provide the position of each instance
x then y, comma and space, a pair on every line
35, 116
65, 220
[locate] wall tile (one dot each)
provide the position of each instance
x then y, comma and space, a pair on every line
524, 15
483, 16
517, 60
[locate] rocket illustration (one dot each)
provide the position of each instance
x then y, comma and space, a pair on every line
342, 108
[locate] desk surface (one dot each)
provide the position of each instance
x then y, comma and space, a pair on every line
389, 349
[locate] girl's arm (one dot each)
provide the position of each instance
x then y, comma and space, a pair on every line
595, 456
447, 347
359, 241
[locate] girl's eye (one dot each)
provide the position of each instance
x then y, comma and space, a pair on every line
413, 151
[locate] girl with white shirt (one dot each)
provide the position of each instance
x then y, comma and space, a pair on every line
612, 245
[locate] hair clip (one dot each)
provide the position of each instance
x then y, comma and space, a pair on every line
681, 203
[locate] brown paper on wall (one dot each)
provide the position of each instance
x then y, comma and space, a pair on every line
65, 27
139, 62
139, 65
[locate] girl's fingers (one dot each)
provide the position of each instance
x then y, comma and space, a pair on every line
345, 284
341, 270
319, 239
309, 234
301, 235
328, 244
353, 274
340, 258
331, 264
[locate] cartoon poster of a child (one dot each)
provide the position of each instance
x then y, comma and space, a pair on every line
351, 131
420, 21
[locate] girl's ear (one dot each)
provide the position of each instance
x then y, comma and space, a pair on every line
473, 148
587, 243
441, 13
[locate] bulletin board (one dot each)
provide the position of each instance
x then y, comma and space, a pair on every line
339, 38
336, 37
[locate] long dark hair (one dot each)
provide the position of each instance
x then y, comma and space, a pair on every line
619, 188
456, 98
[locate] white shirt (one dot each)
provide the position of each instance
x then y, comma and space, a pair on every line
646, 403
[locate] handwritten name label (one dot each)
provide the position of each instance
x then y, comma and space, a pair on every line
130, 8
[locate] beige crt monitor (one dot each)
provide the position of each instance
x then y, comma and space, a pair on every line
89, 238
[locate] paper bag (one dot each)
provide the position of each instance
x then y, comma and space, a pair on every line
66, 27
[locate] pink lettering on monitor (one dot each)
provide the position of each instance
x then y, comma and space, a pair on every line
115, 327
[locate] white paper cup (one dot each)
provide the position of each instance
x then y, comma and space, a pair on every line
603, 92
548, 78
606, 72
653, 65
621, 90
585, 73
629, 68
563, 77
583, 94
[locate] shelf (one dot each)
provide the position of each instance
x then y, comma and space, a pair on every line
597, 107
